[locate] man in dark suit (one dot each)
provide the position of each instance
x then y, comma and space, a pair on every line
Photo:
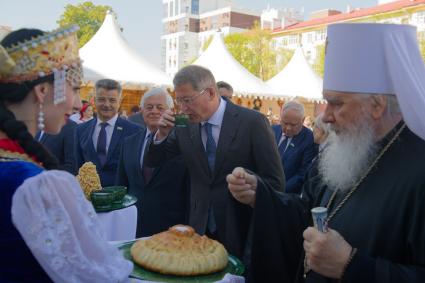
62, 146
225, 89
162, 192
219, 137
137, 118
296, 145
99, 140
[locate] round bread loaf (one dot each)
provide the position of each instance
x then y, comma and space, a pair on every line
180, 251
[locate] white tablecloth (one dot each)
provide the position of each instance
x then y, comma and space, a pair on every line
119, 225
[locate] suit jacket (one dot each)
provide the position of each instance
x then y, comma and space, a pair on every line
297, 158
245, 140
85, 150
162, 202
62, 146
137, 118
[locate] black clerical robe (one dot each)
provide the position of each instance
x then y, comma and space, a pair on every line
384, 219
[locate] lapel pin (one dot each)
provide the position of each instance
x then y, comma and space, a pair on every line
119, 128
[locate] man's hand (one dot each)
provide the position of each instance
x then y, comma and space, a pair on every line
326, 253
166, 124
242, 186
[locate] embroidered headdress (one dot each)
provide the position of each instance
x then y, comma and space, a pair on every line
54, 53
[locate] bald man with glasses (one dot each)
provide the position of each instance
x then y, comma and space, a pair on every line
219, 137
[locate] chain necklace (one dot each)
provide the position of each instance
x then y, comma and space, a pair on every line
355, 187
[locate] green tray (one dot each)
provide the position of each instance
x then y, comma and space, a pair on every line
127, 201
234, 266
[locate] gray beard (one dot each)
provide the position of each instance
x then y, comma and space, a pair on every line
347, 156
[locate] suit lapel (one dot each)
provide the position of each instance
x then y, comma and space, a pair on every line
89, 141
116, 137
139, 145
155, 169
293, 144
43, 138
229, 127
278, 134
195, 137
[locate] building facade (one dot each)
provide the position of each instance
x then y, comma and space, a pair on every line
188, 24
272, 18
311, 34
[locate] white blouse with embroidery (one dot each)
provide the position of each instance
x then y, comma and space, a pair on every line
61, 229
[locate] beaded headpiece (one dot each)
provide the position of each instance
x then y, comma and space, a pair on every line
54, 53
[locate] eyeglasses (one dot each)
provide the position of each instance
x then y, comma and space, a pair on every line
189, 100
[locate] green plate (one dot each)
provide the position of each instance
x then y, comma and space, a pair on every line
127, 201
234, 266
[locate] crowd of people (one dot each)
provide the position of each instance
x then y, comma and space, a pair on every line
227, 172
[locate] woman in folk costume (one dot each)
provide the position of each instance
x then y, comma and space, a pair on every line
48, 230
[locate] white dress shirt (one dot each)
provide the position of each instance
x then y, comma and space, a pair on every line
282, 138
109, 131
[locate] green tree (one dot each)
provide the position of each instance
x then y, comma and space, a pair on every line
254, 50
207, 43
319, 64
283, 56
87, 16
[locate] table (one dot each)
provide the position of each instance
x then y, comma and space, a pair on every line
119, 225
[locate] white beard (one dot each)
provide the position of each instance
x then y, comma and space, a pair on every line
347, 156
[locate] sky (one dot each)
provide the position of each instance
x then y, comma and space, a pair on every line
141, 19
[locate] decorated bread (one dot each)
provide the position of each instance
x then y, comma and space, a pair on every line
180, 251
88, 178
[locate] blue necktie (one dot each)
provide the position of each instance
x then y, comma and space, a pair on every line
282, 146
210, 146
101, 143
210, 149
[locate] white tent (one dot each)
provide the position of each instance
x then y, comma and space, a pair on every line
108, 55
225, 68
297, 79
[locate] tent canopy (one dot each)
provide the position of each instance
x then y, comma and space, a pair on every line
225, 68
108, 55
297, 79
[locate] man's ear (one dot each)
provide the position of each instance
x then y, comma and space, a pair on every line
212, 92
379, 105
40, 91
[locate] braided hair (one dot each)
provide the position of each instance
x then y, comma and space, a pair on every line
11, 93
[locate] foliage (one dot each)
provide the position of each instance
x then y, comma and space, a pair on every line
207, 43
319, 65
87, 16
283, 56
255, 51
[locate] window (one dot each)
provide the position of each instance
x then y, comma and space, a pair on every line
420, 17
309, 38
321, 35
195, 7
170, 9
165, 9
